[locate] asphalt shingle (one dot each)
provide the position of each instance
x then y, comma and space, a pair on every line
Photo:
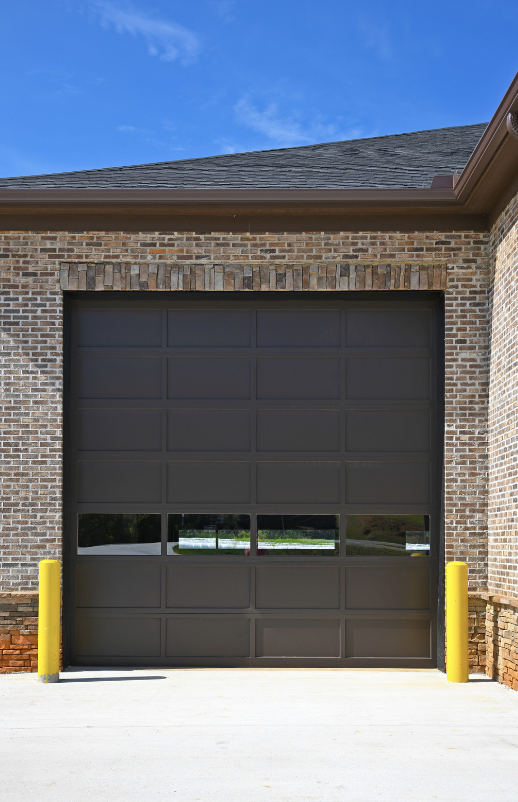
384, 162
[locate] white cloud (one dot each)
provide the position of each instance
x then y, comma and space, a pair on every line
377, 37
290, 129
167, 40
224, 9
133, 130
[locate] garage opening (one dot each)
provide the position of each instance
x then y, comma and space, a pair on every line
254, 480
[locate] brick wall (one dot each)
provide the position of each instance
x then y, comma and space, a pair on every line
503, 406
31, 309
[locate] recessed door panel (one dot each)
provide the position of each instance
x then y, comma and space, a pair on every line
116, 328
297, 378
119, 429
100, 636
298, 430
208, 430
388, 328
208, 328
115, 481
297, 638
310, 328
388, 588
208, 637
383, 379
112, 584
208, 482
120, 377
297, 588
208, 378
387, 483
208, 586
384, 638
298, 482
387, 430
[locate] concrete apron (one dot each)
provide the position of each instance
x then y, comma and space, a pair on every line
250, 735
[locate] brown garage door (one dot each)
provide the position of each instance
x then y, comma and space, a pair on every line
254, 480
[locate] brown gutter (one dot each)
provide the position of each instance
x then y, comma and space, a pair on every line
57, 198
488, 145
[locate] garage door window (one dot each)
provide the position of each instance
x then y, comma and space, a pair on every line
388, 535
298, 535
214, 534
119, 534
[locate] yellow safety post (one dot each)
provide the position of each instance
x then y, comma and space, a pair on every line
457, 654
49, 621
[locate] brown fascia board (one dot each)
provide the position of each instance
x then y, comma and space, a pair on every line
234, 210
228, 200
489, 145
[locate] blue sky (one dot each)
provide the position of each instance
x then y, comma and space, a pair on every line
100, 83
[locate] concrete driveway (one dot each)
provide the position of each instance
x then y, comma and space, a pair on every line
254, 735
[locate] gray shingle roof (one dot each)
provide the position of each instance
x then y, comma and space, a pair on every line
401, 160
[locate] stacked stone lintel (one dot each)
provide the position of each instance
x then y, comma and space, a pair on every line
233, 277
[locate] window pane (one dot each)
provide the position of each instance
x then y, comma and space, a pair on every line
199, 535
388, 535
114, 533
298, 535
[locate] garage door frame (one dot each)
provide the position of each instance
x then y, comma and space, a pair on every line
242, 298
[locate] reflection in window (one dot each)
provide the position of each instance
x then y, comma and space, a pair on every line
199, 535
298, 535
388, 535
115, 533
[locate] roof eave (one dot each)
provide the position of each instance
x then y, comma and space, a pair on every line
488, 178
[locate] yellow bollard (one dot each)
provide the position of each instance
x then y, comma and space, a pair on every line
49, 621
457, 654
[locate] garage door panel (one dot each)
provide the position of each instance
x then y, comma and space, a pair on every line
297, 638
298, 430
208, 378
382, 379
282, 447
387, 483
298, 378
208, 586
98, 636
208, 430
388, 638
112, 328
388, 588
298, 482
208, 328
387, 430
208, 482
119, 429
124, 585
298, 328
120, 377
297, 588
208, 637
114, 481
388, 328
